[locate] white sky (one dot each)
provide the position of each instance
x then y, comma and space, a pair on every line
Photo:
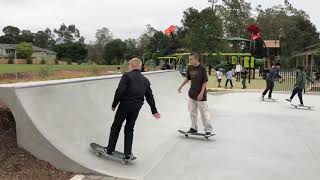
125, 18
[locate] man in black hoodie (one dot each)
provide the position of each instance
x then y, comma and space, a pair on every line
132, 89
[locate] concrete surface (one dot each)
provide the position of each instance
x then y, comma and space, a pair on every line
57, 120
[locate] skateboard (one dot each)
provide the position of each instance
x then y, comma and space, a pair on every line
206, 137
267, 99
302, 107
99, 151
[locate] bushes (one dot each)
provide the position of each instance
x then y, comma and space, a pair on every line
11, 60
43, 61
29, 60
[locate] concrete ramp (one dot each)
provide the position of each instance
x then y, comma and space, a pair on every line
57, 120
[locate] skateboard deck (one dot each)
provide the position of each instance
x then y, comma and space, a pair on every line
267, 99
302, 107
99, 151
206, 137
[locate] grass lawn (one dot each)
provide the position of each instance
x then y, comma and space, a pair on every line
12, 68
257, 83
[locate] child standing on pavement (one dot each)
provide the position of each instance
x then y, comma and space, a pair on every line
219, 75
229, 78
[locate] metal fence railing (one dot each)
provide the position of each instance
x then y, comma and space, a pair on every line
290, 76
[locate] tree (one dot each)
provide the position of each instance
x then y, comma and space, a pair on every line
26, 36
103, 36
11, 35
131, 48
161, 44
144, 39
68, 34
74, 51
24, 50
44, 39
95, 51
236, 16
114, 52
200, 30
292, 26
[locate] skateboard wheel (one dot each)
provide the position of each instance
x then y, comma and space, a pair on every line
296, 107
187, 136
98, 154
206, 139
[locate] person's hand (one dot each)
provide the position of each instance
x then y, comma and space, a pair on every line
179, 90
200, 97
113, 109
157, 116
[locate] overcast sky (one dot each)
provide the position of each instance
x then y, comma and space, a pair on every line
125, 18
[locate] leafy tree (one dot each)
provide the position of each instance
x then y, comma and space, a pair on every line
44, 39
24, 50
68, 34
114, 51
73, 51
200, 30
236, 16
11, 35
292, 26
26, 36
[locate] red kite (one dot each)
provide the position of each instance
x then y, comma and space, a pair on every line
170, 30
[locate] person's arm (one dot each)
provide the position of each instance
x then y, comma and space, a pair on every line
185, 81
151, 102
204, 86
122, 87
183, 84
309, 79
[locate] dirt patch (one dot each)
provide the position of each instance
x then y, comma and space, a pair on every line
15, 163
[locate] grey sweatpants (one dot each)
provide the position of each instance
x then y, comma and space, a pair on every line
194, 107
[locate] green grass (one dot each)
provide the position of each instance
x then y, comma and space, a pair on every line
257, 83
12, 68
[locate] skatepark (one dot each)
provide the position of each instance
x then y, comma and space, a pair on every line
57, 120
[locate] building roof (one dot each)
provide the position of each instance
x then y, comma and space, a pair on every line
34, 48
7, 46
272, 43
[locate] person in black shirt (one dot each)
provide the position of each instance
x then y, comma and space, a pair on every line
132, 89
197, 74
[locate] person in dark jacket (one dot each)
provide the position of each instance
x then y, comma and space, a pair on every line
273, 74
132, 89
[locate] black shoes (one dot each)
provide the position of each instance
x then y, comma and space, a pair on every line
192, 131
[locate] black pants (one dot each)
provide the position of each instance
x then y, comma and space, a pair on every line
299, 91
130, 114
244, 83
270, 86
229, 80
238, 76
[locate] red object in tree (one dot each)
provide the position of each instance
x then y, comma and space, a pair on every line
255, 31
170, 30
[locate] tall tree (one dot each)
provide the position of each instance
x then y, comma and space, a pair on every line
201, 29
114, 52
292, 26
44, 39
236, 16
11, 35
144, 39
26, 36
68, 34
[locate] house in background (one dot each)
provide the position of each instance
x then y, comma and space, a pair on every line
9, 50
